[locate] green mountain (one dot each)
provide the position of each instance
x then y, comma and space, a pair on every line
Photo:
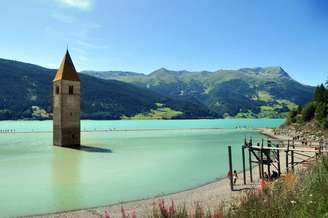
26, 93
247, 92
163, 94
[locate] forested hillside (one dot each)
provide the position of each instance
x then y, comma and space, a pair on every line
315, 111
26, 91
247, 92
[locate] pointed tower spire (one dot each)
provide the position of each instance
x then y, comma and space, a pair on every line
67, 70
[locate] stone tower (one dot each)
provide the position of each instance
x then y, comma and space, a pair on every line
66, 104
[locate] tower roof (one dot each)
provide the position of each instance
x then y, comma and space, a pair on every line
67, 70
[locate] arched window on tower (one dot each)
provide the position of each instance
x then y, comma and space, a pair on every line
57, 90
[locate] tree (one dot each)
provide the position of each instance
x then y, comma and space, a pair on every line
292, 116
299, 109
308, 112
320, 94
321, 112
324, 123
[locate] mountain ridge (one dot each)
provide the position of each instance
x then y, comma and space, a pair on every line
269, 91
275, 69
247, 92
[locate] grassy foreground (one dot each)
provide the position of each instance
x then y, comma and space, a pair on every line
303, 194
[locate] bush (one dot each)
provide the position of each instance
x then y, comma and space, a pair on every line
299, 109
308, 112
324, 123
321, 112
320, 94
292, 117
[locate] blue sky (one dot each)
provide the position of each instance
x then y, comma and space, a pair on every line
144, 35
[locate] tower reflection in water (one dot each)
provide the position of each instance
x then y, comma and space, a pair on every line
66, 178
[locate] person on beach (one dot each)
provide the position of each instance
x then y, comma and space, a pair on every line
274, 175
235, 176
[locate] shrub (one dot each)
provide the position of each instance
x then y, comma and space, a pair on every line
320, 94
321, 113
299, 109
324, 123
308, 112
292, 117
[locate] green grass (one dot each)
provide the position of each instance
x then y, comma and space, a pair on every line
160, 113
248, 114
287, 103
264, 96
266, 112
266, 108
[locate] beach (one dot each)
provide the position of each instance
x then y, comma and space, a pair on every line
210, 195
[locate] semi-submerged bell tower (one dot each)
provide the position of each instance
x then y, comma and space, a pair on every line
66, 104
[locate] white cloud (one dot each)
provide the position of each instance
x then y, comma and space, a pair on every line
63, 18
80, 4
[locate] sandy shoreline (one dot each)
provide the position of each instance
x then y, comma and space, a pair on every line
210, 195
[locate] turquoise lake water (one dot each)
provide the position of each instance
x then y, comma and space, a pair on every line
134, 160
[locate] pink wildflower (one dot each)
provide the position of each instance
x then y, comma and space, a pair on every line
134, 215
218, 215
106, 214
172, 210
163, 209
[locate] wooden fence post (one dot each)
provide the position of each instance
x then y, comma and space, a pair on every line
262, 167
250, 164
244, 168
230, 174
287, 152
292, 156
278, 164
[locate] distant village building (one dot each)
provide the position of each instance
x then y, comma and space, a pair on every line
66, 104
